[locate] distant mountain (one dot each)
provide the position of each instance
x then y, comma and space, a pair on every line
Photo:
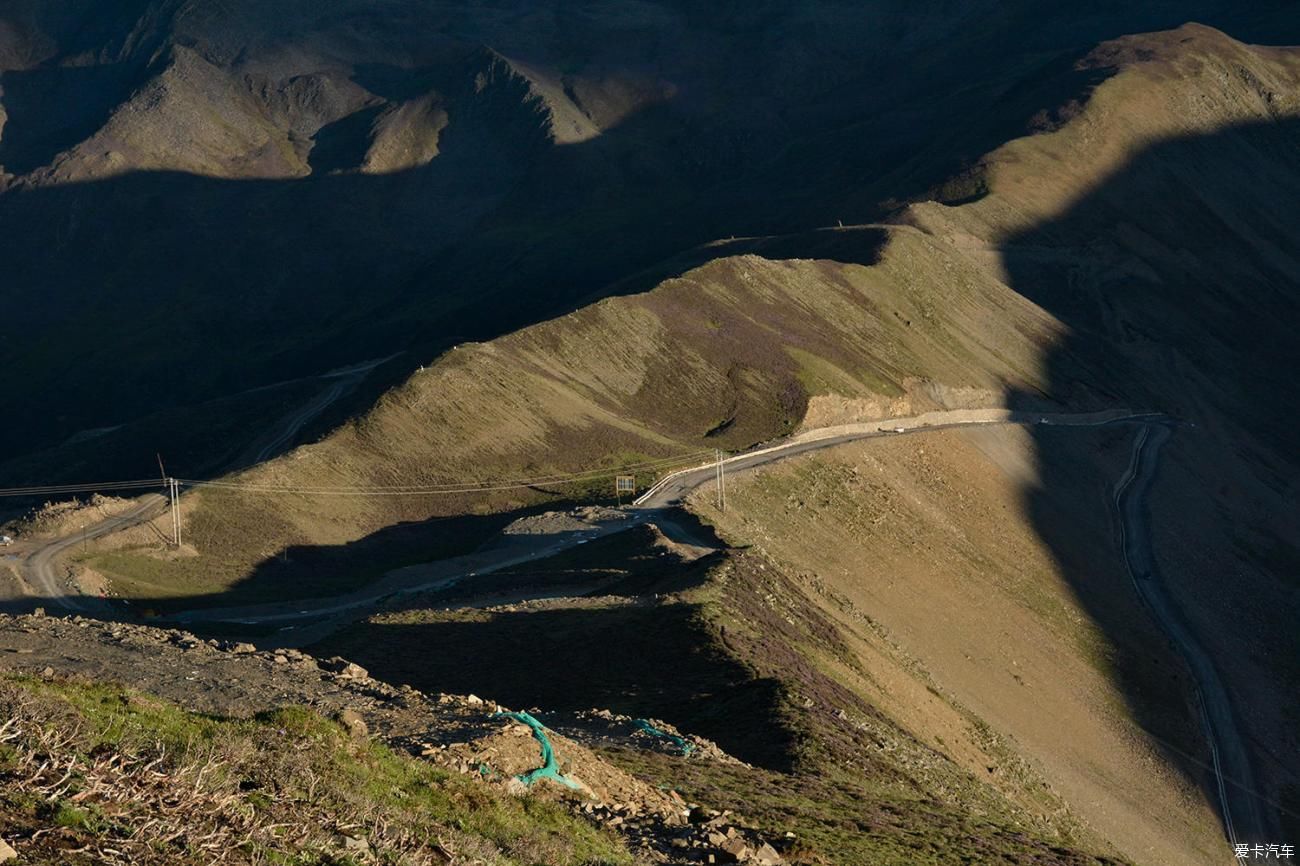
200, 197
597, 237
1139, 251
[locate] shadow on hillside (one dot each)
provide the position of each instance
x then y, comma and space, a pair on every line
617, 642
140, 285
326, 569
36, 130
1178, 281
496, 233
625, 563
639, 659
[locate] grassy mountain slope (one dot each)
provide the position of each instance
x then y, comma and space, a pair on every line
326, 183
927, 540
99, 774
850, 749
743, 348
726, 356
1139, 251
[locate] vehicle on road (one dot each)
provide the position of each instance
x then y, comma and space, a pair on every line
900, 429
5, 541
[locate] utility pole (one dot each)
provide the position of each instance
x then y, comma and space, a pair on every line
174, 495
170, 484
720, 476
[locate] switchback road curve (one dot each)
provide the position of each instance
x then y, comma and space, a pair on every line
1242, 816
1243, 820
41, 567
668, 493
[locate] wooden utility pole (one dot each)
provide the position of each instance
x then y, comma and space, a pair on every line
174, 494
173, 501
720, 476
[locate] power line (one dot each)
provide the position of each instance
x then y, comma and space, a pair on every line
486, 485
52, 489
537, 479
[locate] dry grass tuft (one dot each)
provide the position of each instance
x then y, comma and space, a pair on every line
93, 774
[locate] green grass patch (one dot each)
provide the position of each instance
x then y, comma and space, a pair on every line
290, 766
820, 376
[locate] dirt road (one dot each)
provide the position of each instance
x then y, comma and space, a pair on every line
306, 614
309, 619
1243, 820
281, 436
42, 570
672, 489
668, 493
313, 618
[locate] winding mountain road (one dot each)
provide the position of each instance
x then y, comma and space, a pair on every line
282, 434
314, 617
669, 492
673, 489
1243, 820
41, 566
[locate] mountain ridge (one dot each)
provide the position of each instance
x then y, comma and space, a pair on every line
1136, 249
687, 154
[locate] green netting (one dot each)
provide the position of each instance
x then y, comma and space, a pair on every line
677, 741
549, 768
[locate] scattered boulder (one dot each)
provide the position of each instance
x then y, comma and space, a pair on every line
186, 641
356, 726
345, 668
737, 849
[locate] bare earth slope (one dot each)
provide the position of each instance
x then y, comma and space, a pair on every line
928, 536
1175, 273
